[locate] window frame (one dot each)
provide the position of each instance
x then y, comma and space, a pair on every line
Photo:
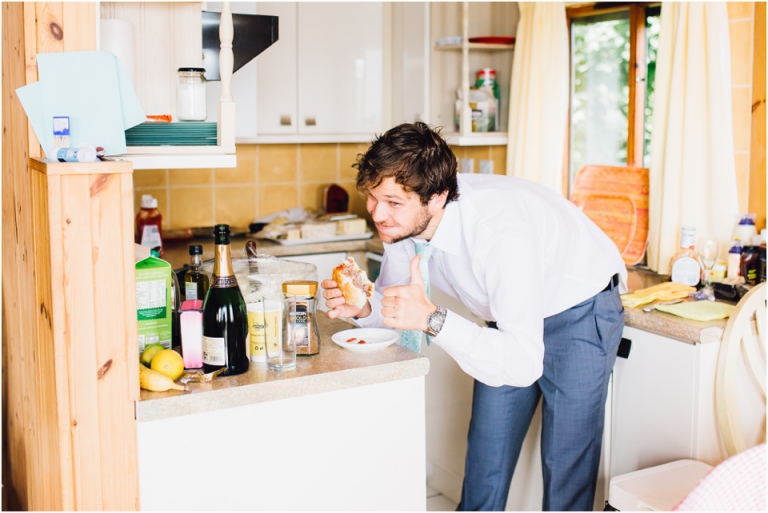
636, 77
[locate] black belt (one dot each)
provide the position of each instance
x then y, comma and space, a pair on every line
613, 283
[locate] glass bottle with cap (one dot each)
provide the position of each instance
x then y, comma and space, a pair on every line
195, 282
305, 328
190, 94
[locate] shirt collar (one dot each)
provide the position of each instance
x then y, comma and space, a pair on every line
447, 237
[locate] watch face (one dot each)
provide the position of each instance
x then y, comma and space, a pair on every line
436, 320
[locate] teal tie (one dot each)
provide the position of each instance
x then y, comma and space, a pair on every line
411, 339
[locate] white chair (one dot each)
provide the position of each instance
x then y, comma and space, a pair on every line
663, 487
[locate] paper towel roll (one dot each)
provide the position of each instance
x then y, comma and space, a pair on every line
117, 37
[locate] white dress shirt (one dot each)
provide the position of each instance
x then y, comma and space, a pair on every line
513, 252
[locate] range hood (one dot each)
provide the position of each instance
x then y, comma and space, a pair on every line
253, 33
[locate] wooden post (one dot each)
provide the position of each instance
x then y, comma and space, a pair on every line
70, 366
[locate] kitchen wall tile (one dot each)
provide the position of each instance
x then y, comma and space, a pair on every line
276, 197
742, 36
162, 201
356, 201
742, 117
149, 177
245, 172
318, 162
740, 10
348, 156
312, 195
477, 153
499, 158
235, 205
741, 159
277, 163
191, 206
190, 176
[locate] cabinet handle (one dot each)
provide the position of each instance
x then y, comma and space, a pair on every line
285, 120
624, 346
310, 121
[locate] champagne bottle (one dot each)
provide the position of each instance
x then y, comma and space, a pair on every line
225, 318
195, 282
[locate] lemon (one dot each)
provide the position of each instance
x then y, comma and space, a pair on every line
149, 352
168, 362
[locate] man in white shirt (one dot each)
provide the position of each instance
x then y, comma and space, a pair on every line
531, 264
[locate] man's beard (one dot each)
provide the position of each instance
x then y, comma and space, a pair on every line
421, 225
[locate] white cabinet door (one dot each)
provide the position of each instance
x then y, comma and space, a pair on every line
340, 67
276, 73
654, 402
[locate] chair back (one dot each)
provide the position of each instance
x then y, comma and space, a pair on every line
616, 199
744, 334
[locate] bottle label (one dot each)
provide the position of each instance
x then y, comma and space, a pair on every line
150, 236
151, 299
686, 271
214, 350
224, 282
301, 326
190, 290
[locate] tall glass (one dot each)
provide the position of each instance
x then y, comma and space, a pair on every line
279, 325
708, 251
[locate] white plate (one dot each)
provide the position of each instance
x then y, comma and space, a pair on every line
294, 242
375, 339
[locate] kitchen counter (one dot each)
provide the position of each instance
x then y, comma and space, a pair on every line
339, 433
662, 323
177, 251
686, 330
333, 368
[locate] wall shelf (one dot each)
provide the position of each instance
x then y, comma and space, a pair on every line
476, 139
475, 46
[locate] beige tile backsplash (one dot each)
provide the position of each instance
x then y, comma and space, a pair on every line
268, 178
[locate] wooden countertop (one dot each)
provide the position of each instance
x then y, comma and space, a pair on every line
333, 368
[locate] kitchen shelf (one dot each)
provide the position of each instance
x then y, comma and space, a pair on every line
306, 139
475, 46
174, 159
476, 139
157, 93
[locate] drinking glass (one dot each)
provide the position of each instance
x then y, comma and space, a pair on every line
708, 251
279, 322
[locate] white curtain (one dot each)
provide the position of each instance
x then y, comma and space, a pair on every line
692, 173
538, 104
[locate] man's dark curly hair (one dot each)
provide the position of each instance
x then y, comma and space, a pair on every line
416, 156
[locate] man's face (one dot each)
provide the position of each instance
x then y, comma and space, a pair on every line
398, 214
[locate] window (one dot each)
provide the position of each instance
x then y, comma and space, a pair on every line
613, 67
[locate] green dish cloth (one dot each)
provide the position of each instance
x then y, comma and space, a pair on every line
699, 310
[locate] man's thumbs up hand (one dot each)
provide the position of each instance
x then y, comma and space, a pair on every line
406, 307
416, 278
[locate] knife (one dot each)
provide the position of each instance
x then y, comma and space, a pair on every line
652, 307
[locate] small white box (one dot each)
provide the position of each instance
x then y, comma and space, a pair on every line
467, 166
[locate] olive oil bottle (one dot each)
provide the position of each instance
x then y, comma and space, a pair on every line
195, 282
225, 318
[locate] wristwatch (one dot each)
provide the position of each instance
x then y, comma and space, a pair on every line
435, 321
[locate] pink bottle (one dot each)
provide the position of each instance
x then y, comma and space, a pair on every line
192, 333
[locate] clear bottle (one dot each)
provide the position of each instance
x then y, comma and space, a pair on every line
225, 318
684, 265
149, 231
305, 329
195, 282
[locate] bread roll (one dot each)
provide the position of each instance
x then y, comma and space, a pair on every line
353, 283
